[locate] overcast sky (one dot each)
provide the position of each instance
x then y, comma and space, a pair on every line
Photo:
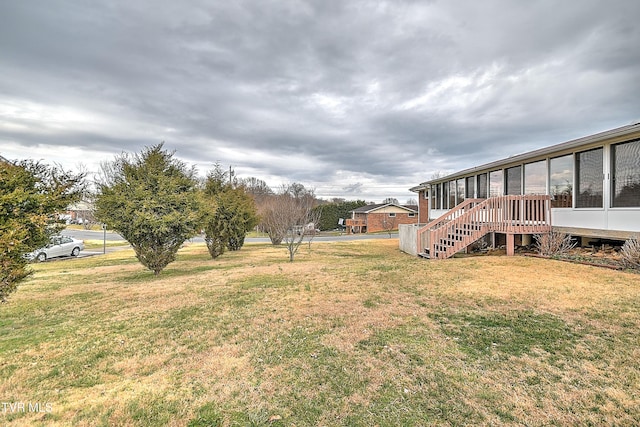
357, 99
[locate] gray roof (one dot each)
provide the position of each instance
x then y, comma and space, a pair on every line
614, 135
374, 207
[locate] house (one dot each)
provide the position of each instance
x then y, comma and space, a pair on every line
80, 213
588, 188
381, 217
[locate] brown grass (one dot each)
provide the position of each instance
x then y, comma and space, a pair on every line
348, 334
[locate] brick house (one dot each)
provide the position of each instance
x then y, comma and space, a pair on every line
381, 217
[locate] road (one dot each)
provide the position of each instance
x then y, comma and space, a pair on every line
112, 237
92, 235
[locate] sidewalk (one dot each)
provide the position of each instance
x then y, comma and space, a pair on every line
100, 251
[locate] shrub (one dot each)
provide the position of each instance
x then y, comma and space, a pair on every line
631, 254
150, 199
553, 243
32, 195
229, 212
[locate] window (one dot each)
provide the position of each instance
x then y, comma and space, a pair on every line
438, 191
452, 194
590, 179
470, 184
496, 183
459, 191
445, 195
625, 159
432, 192
482, 186
392, 215
412, 215
561, 181
514, 180
535, 178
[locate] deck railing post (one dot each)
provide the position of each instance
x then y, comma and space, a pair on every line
511, 244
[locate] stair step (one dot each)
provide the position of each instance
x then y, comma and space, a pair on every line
457, 238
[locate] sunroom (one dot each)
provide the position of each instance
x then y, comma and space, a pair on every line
592, 187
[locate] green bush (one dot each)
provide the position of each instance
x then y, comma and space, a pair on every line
31, 197
151, 200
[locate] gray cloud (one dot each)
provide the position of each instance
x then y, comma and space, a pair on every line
347, 97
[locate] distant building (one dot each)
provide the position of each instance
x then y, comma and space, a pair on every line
381, 217
81, 213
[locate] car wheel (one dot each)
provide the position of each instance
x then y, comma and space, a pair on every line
41, 257
75, 251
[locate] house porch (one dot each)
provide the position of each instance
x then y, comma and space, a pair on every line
473, 219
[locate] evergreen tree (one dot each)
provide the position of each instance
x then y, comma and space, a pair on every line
230, 213
330, 213
32, 195
151, 199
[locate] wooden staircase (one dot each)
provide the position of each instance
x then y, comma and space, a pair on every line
475, 218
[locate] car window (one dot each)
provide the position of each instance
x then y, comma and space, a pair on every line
67, 240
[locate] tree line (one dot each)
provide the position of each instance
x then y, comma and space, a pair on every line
156, 203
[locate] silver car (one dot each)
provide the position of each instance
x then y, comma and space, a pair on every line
58, 246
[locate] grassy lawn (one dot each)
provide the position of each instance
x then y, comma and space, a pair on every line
93, 245
351, 333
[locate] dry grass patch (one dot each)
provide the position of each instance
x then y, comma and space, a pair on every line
351, 333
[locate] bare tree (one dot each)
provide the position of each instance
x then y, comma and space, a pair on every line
88, 217
289, 216
271, 217
85, 210
438, 174
389, 224
312, 227
257, 188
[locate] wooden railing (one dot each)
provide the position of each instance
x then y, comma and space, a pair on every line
457, 211
519, 214
355, 225
506, 214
